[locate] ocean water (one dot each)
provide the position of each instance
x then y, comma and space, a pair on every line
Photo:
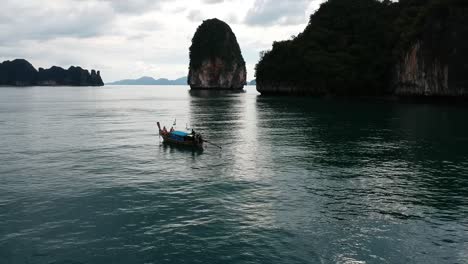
84, 178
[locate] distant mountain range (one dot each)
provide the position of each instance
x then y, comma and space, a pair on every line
150, 81
162, 81
252, 82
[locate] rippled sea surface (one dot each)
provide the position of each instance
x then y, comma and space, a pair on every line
84, 178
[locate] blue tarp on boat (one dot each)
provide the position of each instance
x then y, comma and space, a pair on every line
179, 133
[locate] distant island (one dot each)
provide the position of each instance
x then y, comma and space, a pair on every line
373, 48
252, 82
20, 72
150, 81
216, 61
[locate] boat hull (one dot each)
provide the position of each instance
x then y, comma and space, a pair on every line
189, 144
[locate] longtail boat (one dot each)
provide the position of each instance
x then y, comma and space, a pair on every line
181, 138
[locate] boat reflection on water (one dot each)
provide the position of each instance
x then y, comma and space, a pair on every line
169, 148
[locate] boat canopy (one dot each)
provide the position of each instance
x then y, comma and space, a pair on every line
180, 133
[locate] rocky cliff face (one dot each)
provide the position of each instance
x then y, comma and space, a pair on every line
216, 61
370, 47
420, 75
436, 63
21, 73
214, 73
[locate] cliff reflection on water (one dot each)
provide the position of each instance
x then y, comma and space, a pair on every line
407, 159
299, 180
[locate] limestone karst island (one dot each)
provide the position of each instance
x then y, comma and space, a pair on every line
373, 48
216, 61
20, 72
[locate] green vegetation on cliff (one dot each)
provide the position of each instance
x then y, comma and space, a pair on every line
350, 47
214, 39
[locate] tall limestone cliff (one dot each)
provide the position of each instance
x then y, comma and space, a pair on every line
435, 62
371, 47
216, 60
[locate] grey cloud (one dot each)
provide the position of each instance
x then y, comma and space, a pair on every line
213, 1
179, 9
56, 20
272, 12
198, 16
134, 6
140, 36
129, 6
232, 18
195, 16
150, 24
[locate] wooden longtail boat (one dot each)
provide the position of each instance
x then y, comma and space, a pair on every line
194, 140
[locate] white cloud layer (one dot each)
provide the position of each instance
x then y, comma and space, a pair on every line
130, 39
268, 12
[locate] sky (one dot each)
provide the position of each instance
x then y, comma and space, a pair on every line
130, 39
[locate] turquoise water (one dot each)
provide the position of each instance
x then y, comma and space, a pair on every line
84, 178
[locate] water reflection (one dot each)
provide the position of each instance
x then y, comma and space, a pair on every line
171, 148
230, 119
227, 119
214, 93
402, 160
344, 164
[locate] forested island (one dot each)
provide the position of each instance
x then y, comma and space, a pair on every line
20, 72
373, 48
216, 60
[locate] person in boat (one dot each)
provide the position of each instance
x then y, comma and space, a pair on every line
164, 130
193, 132
172, 129
198, 139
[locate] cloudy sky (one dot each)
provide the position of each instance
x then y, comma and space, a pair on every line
130, 39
